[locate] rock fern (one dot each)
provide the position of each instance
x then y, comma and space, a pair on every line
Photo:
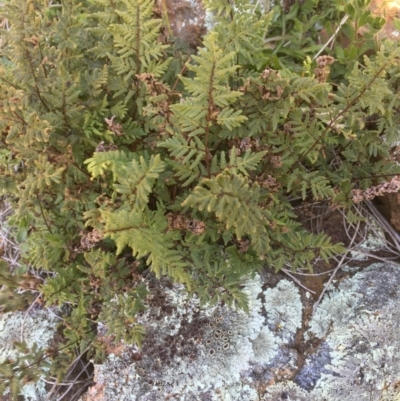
116, 164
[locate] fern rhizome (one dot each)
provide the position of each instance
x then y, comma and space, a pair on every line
122, 151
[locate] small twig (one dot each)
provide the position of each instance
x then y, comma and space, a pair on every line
25, 315
312, 274
297, 281
184, 68
342, 259
71, 366
12, 262
70, 386
341, 23
384, 224
65, 383
370, 255
84, 368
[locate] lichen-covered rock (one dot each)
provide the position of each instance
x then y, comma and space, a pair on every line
359, 323
314, 367
365, 359
335, 310
218, 354
358, 358
211, 353
35, 329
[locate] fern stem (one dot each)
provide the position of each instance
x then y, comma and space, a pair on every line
32, 69
35, 79
138, 38
119, 19
164, 4
11, 84
43, 215
209, 114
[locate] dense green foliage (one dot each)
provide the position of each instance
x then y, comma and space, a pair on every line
122, 153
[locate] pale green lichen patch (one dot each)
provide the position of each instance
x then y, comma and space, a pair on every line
265, 346
284, 310
335, 310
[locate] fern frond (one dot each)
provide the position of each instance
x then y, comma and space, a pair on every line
144, 232
209, 88
101, 162
136, 179
237, 164
188, 152
233, 201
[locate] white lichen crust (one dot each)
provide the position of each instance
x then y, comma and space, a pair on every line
365, 362
335, 310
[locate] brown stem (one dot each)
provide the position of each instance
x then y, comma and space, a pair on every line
114, 8
184, 68
166, 16
42, 65
35, 79
9, 83
32, 68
